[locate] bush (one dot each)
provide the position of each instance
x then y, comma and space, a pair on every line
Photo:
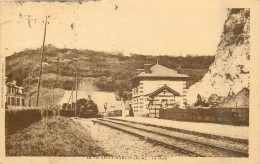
214, 100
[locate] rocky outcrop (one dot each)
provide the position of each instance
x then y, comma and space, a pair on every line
229, 73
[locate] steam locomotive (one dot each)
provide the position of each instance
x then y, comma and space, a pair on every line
85, 108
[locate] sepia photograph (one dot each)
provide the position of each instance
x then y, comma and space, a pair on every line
115, 79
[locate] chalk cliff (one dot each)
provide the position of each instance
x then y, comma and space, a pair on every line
229, 73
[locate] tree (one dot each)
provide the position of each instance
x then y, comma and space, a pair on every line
199, 101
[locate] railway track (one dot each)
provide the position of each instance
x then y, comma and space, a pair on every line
184, 143
193, 133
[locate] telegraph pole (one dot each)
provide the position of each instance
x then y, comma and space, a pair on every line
30, 89
42, 54
72, 100
52, 94
76, 94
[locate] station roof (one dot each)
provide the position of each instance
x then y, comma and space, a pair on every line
159, 71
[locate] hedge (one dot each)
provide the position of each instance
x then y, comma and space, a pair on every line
21, 118
17, 119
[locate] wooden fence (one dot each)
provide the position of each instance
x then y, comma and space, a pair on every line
231, 116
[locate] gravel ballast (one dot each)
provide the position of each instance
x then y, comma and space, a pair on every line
228, 144
117, 143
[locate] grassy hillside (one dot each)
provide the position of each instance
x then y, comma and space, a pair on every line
59, 136
111, 72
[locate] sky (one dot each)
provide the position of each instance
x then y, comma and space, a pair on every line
145, 27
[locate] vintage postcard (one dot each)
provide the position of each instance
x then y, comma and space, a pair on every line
129, 81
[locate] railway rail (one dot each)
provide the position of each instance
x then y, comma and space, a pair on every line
186, 144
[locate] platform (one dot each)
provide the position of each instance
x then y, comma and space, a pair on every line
238, 132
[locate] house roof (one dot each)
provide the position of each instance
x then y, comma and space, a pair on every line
159, 90
160, 71
239, 100
12, 84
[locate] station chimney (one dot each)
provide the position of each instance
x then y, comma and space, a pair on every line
147, 68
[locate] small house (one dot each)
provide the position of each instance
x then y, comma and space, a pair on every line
15, 98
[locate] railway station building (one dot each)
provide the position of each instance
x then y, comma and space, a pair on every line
157, 88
